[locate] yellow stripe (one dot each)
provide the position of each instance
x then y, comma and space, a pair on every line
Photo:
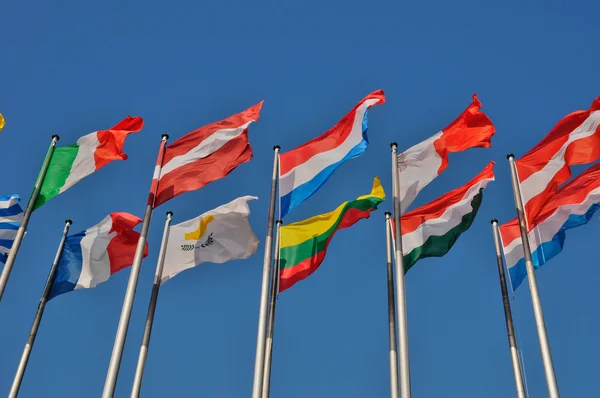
298, 232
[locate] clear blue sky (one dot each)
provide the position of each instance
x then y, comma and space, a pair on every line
73, 67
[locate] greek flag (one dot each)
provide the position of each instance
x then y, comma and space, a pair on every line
11, 215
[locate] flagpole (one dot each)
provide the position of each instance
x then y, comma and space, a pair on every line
139, 371
16, 385
512, 342
400, 288
535, 295
392, 329
266, 387
117, 352
259, 363
26, 216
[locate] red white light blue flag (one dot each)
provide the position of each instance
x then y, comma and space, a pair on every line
92, 256
302, 171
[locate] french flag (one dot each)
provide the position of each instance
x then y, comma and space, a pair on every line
574, 140
302, 171
572, 206
92, 256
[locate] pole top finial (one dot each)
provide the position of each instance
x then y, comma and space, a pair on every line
55, 137
509, 156
388, 214
276, 148
279, 222
68, 221
169, 213
394, 145
494, 221
165, 136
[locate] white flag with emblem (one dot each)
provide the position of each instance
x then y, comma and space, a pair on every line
217, 236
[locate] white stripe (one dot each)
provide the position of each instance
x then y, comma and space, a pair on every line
440, 226
306, 171
5, 204
205, 148
538, 181
8, 234
84, 163
96, 263
418, 166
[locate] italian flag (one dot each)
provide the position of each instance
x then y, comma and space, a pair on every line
431, 230
303, 244
422, 163
69, 164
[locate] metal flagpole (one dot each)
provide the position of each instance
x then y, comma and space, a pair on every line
139, 371
535, 295
400, 291
512, 342
117, 352
259, 363
266, 387
14, 390
21, 231
393, 332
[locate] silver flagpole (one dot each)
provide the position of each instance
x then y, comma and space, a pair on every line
535, 295
14, 390
393, 332
512, 342
139, 371
117, 352
266, 387
259, 363
400, 291
26, 216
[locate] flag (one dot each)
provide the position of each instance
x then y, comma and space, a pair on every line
2, 122
69, 164
422, 163
203, 156
574, 140
11, 215
431, 230
217, 236
303, 244
92, 256
302, 171
572, 206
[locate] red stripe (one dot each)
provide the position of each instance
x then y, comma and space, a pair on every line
289, 276
472, 129
509, 232
329, 140
412, 220
534, 160
111, 142
197, 174
191, 140
121, 248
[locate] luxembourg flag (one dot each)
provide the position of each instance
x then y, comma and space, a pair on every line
92, 256
302, 171
572, 206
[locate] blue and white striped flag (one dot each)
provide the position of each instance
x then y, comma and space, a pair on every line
11, 215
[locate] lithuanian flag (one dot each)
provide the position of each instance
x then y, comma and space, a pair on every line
303, 244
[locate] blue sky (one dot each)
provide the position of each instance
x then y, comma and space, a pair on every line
75, 67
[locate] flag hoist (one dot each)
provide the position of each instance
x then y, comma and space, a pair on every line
400, 291
392, 328
512, 342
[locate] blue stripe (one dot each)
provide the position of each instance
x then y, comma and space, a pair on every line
550, 249
9, 197
6, 243
69, 266
3, 257
11, 211
302, 192
13, 226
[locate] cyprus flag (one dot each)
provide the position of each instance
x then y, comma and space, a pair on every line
216, 236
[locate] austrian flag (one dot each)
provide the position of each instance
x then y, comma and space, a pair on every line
203, 156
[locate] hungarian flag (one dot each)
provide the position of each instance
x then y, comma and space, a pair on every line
203, 156
69, 164
574, 140
422, 163
431, 230
303, 244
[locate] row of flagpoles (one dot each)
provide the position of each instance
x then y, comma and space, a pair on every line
428, 231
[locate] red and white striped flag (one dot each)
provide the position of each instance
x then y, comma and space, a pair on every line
574, 140
203, 156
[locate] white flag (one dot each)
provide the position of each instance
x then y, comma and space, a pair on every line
216, 236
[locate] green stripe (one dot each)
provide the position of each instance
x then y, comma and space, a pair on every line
437, 246
58, 171
292, 255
